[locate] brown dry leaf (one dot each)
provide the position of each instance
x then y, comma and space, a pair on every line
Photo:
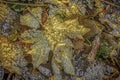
78, 44
95, 47
44, 15
93, 26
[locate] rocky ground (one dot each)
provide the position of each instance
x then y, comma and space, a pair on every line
95, 56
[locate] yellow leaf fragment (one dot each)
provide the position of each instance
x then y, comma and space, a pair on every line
9, 55
32, 19
3, 11
79, 79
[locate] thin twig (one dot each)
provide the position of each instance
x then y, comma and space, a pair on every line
110, 3
24, 4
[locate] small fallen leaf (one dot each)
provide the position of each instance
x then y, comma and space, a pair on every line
95, 47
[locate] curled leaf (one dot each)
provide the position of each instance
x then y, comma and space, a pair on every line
95, 47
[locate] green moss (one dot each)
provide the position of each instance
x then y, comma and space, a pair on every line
104, 51
17, 8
